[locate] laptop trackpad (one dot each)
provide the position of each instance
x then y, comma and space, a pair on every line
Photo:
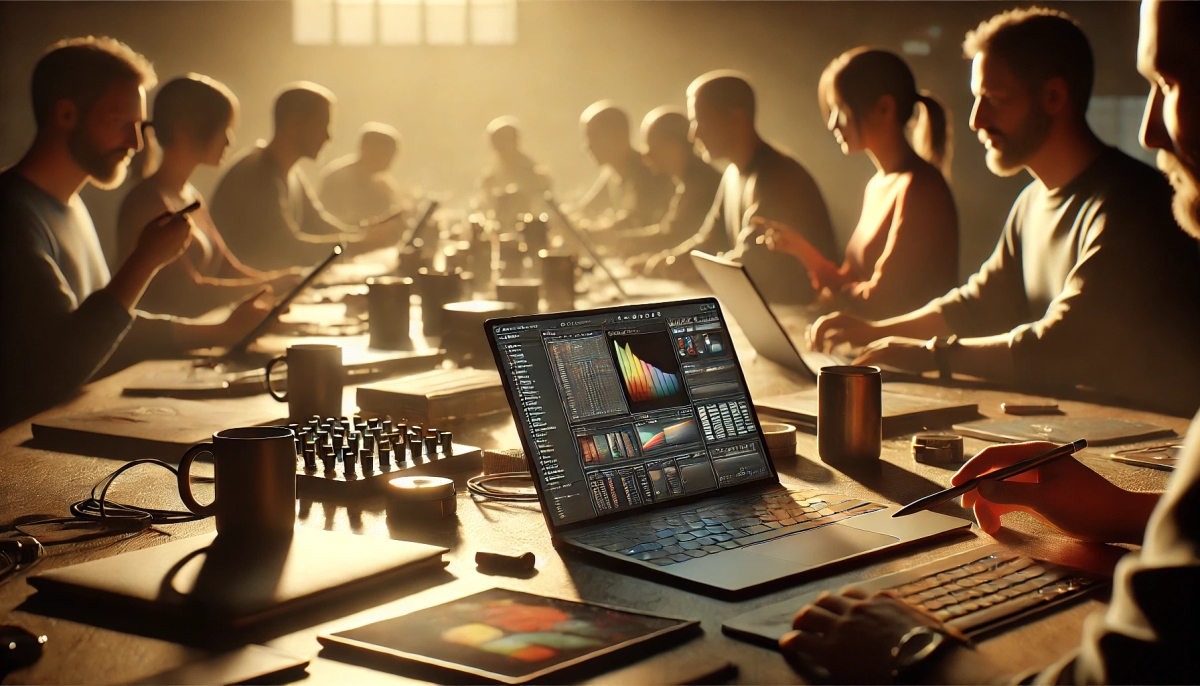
819, 546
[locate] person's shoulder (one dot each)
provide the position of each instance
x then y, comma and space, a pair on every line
787, 166
338, 168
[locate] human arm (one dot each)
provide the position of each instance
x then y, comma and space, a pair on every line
848, 638
1065, 494
780, 237
711, 237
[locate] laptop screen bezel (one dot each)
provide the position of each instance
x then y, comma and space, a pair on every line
555, 528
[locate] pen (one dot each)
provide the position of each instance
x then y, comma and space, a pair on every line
998, 475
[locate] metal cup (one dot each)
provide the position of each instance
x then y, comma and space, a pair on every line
437, 289
314, 379
558, 279
388, 310
849, 414
524, 293
255, 484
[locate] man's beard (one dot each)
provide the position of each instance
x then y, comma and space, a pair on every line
106, 168
1185, 179
1020, 145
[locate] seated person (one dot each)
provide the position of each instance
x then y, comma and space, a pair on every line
514, 184
1148, 634
1091, 282
267, 212
670, 151
61, 315
626, 186
360, 187
193, 123
904, 251
760, 182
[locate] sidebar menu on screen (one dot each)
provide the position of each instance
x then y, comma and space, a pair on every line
525, 361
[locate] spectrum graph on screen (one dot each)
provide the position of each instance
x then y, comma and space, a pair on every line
649, 372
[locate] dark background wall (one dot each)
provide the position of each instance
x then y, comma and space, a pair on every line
568, 54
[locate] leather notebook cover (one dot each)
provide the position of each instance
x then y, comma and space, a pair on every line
900, 410
1096, 430
221, 582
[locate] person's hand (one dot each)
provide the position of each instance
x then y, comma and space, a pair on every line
1065, 494
837, 328
285, 281
163, 240
848, 637
245, 316
899, 353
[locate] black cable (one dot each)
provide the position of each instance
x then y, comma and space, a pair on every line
117, 517
480, 486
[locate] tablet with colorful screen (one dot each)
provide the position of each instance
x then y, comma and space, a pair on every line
508, 636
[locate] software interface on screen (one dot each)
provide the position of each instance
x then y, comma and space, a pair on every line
632, 408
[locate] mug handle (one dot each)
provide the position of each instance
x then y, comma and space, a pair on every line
185, 480
281, 398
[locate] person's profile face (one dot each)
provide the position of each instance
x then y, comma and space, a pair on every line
843, 125
217, 146
709, 129
106, 136
314, 133
1171, 124
604, 146
1009, 121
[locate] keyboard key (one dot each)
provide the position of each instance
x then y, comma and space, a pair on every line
663, 561
729, 545
696, 553
649, 555
617, 547
719, 538
684, 537
756, 529
672, 549
665, 533
680, 557
644, 548
689, 545
713, 549
707, 540
669, 540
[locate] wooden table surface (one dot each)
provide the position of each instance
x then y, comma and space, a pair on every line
37, 483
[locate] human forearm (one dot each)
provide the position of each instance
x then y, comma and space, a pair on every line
987, 358
926, 322
131, 280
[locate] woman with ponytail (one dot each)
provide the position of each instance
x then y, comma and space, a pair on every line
192, 123
904, 251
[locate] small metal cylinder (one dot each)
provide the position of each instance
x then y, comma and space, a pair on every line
849, 414
388, 308
447, 440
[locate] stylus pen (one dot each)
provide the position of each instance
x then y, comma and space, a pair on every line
998, 475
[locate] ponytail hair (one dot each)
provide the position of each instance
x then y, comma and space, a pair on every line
931, 134
204, 103
863, 75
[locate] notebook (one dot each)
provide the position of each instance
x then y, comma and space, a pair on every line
1095, 430
902, 413
218, 583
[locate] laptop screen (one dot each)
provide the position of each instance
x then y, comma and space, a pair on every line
626, 408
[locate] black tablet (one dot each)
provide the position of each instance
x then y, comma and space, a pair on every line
506, 637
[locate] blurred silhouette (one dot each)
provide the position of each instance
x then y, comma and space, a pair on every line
193, 120
626, 187
670, 151
359, 187
62, 316
514, 184
760, 182
904, 251
264, 205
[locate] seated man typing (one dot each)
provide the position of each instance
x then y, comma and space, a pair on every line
1091, 282
1149, 633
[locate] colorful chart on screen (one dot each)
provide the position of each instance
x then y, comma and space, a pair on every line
649, 372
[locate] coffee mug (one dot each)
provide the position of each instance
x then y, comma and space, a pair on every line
314, 380
255, 470
849, 414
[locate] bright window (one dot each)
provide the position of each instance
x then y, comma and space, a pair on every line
404, 22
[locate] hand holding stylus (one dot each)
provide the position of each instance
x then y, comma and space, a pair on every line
1064, 493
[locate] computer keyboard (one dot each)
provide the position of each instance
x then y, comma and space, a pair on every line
681, 536
992, 587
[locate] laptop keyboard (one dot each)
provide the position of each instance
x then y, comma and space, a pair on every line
991, 588
682, 536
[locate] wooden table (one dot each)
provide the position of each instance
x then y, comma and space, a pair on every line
37, 483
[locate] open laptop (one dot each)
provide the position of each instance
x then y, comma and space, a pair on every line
732, 285
645, 448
